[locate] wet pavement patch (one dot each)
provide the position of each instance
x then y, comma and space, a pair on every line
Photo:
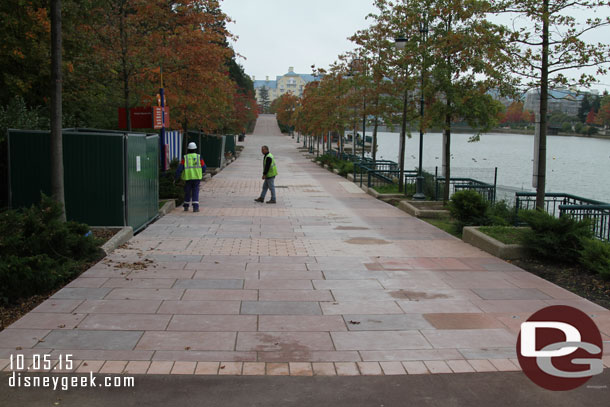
366, 240
416, 295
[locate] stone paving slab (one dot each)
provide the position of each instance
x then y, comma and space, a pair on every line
327, 282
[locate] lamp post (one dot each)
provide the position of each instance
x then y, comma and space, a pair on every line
419, 186
291, 120
364, 110
400, 44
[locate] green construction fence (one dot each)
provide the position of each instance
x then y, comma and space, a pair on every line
110, 178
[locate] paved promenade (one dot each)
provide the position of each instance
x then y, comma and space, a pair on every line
329, 281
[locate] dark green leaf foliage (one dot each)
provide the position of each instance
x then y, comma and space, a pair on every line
500, 214
167, 188
284, 128
344, 167
469, 208
38, 252
555, 239
595, 257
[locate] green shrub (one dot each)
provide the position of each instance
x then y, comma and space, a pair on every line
468, 208
167, 188
347, 167
500, 214
38, 251
555, 239
595, 257
592, 130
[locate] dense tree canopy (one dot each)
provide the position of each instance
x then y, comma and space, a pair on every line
114, 54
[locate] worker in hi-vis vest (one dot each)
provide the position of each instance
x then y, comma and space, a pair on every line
269, 173
191, 168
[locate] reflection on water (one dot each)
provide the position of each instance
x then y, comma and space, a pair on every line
576, 165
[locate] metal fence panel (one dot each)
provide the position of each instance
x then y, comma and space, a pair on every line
173, 139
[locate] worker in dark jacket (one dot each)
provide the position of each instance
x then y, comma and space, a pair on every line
191, 170
269, 173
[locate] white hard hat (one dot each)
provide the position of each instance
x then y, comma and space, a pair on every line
192, 146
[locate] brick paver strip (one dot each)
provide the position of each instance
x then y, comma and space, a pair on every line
91, 366
437, 366
207, 368
392, 368
160, 367
482, 365
254, 369
503, 365
324, 369
460, 366
347, 369
230, 368
114, 366
137, 367
184, 368
300, 369
278, 369
415, 367
370, 368
329, 275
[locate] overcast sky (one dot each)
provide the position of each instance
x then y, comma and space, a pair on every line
276, 34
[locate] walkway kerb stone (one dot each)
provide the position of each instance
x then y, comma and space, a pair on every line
207, 368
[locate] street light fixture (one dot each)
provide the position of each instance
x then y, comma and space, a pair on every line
400, 43
419, 185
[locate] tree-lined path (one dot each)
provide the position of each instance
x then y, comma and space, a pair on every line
328, 281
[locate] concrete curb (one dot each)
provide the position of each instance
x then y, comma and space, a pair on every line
169, 206
476, 238
411, 209
118, 239
384, 197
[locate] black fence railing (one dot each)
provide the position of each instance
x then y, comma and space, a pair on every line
487, 191
577, 207
375, 174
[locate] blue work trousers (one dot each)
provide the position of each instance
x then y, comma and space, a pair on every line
191, 193
268, 184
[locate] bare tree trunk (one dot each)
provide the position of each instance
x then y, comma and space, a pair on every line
544, 88
123, 34
57, 163
185, 135
447, 140
403, 136
374, 146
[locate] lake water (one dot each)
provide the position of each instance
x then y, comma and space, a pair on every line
576, 165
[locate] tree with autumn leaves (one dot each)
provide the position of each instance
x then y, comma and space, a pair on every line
114, 52
545, 43
465, 59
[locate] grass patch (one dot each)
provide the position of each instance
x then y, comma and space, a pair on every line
387, 189
505, 234
446, 224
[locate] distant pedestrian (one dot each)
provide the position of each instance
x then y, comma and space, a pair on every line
191, 170
269, 173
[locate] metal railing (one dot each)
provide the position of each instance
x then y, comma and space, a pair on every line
487, 191
383, 172
552, 201
579, 208
380, 178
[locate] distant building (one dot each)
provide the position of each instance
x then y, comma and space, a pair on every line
290, 82
560, 100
